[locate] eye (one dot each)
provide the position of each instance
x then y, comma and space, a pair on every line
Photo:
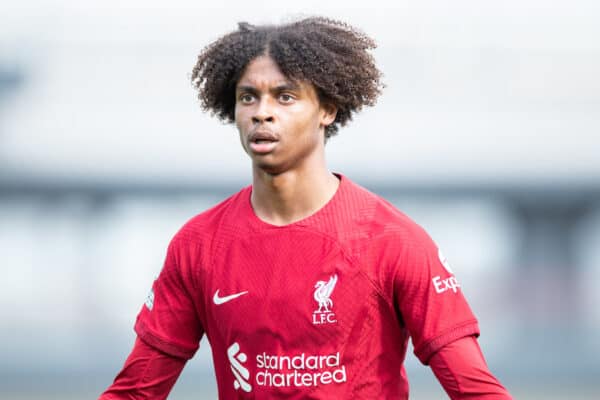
246, 98
286, 98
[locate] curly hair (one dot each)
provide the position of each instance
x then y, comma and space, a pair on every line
330, 54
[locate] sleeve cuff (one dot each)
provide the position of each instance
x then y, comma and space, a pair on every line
176, 350
429, 348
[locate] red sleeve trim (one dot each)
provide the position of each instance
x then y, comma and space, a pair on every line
464, 374
163, 345
148, 373
429, 348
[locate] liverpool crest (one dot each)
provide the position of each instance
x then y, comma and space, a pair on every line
324, 314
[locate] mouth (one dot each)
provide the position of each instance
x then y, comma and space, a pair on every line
262, 142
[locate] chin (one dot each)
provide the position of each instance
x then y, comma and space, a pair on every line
269, 168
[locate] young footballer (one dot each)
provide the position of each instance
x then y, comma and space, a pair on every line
305, 284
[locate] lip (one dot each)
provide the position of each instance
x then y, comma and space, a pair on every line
262, 141
263, 135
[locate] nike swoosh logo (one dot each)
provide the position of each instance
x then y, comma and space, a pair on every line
220, 300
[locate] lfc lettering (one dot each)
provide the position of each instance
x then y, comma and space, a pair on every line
323, 318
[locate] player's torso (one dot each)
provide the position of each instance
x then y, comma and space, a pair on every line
291, 313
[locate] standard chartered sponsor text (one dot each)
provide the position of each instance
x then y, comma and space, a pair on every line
299, 370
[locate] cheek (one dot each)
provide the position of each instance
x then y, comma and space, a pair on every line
240, 121
312, 121
304, 119
237, 118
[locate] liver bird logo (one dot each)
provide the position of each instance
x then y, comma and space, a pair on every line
323, 292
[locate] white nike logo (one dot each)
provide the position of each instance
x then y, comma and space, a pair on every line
220, 300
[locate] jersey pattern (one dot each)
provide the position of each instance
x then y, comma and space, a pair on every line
319, 309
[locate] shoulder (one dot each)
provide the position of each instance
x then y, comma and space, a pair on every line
400, 226
385, 222
206, 224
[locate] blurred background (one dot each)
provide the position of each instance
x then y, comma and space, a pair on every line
487, 134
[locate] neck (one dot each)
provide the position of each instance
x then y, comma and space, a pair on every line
291, 196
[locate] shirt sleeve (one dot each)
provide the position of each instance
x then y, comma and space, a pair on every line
148, 373
169, 319
429, 297
464, 374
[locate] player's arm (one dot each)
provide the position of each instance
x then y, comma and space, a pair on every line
463, 372
148, 373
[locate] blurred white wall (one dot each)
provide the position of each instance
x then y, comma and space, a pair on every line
483, 94
477, 91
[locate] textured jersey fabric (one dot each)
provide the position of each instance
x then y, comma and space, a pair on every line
461, 369
148, 373
321, 308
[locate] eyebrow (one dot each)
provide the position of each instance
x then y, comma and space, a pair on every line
280, 88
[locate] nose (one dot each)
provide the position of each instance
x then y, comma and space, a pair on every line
263, 112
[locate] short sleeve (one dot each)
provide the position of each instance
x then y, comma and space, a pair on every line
430, 299
169, 319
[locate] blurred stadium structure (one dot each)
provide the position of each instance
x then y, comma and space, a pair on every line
487, 135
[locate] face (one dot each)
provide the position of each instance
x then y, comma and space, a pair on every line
281, 122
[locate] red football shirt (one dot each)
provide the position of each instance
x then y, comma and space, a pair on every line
321, 308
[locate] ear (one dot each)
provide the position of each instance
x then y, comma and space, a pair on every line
328, 113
